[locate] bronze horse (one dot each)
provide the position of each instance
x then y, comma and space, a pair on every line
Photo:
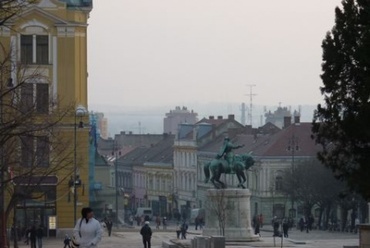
219, 166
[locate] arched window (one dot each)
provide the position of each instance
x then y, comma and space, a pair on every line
278, 183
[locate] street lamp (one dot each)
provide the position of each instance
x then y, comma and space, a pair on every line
293, 146
116, 152
80, 112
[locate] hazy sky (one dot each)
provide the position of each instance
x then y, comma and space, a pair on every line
198, 52
173, 52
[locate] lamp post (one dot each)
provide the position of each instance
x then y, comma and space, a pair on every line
293, 146
115, 153
80, 112
116, 179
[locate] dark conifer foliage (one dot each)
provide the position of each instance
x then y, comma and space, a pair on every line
342, 123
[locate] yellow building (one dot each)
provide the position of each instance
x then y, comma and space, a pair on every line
49, 39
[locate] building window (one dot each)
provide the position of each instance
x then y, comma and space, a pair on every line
42, 151
35, 49
26, 49
35, 96
278, 183
42, 49
35, 151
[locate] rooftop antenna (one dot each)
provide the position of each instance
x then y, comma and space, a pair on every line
250, 102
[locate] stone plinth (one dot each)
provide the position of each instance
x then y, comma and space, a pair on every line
364, 236
217, 242
231, 208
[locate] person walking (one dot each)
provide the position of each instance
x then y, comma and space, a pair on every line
184, 229
178, 230
260, 219
164, 223
146, 233
257, 228
39, 235
27, 234
67, 241
33, 237
158, 221
88, 231
285, 228
276, 226
196, 222
109, 225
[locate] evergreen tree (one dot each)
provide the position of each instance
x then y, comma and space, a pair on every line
342, 124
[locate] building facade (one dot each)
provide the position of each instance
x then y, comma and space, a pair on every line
178, 116
48, 46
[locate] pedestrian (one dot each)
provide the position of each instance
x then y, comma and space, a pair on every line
146, 233
131, 220
301, 224
164, 223
27, 235
201, 222
88, 231
261, 220
32, 236
178, 230
357, 223
67, 241
196, 222
39, 235
257, 228
158, 221
276, 225
285, 227
184, 228
109, 225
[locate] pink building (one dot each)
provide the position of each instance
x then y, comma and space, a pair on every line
176, 117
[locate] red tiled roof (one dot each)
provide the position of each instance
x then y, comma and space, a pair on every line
276, 144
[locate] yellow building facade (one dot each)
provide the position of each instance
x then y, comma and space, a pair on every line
49, 39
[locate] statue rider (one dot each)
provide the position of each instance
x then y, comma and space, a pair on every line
226, 151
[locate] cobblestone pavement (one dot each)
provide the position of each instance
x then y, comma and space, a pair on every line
130, 238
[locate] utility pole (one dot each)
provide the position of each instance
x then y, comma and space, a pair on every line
250, 115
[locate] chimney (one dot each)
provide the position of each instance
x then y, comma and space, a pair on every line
231, 117
297, 119
211, 117
287, 121
219, 117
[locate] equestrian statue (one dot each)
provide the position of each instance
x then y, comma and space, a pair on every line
228, 163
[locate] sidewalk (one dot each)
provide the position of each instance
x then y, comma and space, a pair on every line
130, 238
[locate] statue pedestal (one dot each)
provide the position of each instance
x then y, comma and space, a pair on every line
228, 215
